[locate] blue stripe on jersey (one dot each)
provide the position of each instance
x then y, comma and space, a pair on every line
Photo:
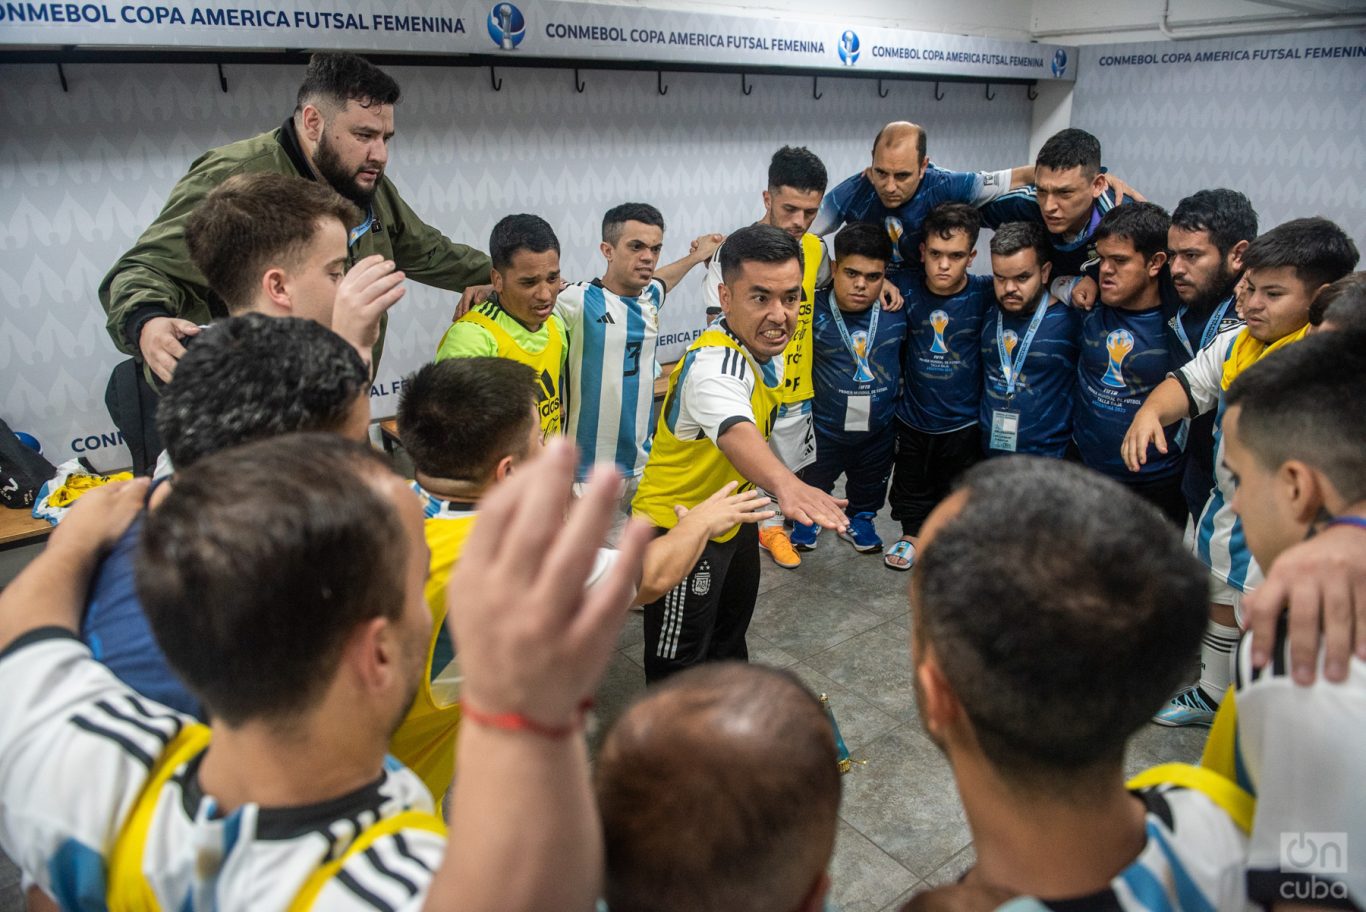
770, 373
78, 876
1188, 894
675, 400
1145, 885
627, 449
590, 376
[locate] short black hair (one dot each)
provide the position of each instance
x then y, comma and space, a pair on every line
1318, 250
1143, 224
1343, 304
457, 418
946, 218
799, 168
618, 216
1012, 237
336, 78
757, 244
254, 376
1070, 148
1304, 402
863, 239
520, 232
261, 562
1062, 642
1226, 215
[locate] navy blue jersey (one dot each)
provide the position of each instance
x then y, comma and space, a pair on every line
941, 370
855, 200
1071, 256
1043, 389
1124, 356
834, 367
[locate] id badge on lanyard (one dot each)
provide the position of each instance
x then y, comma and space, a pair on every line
1005, 430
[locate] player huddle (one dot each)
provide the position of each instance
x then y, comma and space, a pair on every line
280, 676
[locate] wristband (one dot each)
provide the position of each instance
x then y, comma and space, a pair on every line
1356, 521
516, 722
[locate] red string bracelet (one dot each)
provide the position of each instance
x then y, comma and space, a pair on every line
516, 722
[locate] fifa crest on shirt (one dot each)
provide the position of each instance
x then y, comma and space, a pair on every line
1117, 345
939, 321
894, 231
701, 582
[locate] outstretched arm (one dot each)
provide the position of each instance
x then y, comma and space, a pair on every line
672, 555
749, 452
698, 252
1164, 405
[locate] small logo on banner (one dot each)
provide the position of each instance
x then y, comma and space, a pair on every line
1059, 63
507, 26
940, 322
1118, 344
849, 47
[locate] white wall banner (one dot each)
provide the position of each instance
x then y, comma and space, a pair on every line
551, 29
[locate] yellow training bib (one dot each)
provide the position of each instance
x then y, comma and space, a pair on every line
548, 363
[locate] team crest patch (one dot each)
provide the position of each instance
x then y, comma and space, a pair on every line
701, 582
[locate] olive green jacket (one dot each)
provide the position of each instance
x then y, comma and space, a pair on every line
156, 278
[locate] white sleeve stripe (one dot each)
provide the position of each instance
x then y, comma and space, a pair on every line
128, 746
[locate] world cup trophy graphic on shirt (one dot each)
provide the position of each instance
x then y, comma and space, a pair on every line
1118, 344
939, 321
862, 373
1009, 339
894, 232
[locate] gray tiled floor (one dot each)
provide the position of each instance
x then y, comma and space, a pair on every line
840, 622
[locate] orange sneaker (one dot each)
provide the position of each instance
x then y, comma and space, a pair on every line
774, 540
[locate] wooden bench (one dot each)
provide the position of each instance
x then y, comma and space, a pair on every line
19, 528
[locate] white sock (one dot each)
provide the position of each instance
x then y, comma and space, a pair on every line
1216, 659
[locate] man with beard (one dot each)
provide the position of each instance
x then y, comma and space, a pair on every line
339, 133
1209, 232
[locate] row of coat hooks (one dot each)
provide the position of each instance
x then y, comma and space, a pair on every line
580, 86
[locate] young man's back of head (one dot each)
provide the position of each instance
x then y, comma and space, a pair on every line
719, 791
1061, 610
255, 376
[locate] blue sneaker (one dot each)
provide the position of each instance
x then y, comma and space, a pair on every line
1189, 707
861, 533
803, 537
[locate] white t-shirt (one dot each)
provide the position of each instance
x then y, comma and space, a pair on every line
715, 389
76, 747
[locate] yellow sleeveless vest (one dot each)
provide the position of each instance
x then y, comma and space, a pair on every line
128, 889
687, 472
797, 357
548, 363
425, 739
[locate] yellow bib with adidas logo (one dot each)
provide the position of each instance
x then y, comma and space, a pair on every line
797, 357
548, 363
687, 472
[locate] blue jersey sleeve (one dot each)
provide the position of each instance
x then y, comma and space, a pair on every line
1016, 206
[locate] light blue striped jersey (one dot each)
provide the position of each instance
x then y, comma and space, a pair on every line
610, 374
1219, 540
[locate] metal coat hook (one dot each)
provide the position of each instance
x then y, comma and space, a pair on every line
222, 79
659, 82
494, 80
990, 97
1032, 93
578, 83
814, 94
745, 87
61, 74
881, 93
938, 95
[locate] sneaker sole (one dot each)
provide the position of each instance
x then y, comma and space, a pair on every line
861, 549
1168, 723
779, 563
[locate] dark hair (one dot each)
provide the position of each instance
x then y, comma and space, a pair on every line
251, 222
1318, 250
336, 78
719, 790
260, 563
863, 239
1143, 224
1061, 641
457, 418
921, 142
618, 216
1304, 402
255, 376
1343, 303
520, 232
1012, 237
1226, 215
946, 218
756, 244
799, 168
1070, 148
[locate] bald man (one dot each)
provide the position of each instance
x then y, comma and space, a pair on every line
900, 187
719, 790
